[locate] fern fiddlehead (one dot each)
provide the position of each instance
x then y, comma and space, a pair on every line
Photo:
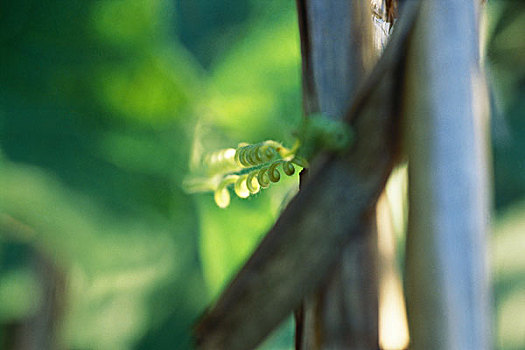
252, 167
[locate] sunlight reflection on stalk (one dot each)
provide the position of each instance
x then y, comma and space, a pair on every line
393, 327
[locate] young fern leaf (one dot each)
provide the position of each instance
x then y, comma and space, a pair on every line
249, 168
252, 167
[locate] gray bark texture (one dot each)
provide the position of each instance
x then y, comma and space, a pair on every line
446, 135
338, 51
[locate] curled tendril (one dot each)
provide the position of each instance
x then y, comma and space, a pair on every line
222, 195
262, 178
253, 155
273, 173
288, 168
250, 183
241, 187
249, 168
247, 156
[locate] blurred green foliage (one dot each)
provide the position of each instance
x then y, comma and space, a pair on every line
505, 56
98, 106
506, 69
98, 102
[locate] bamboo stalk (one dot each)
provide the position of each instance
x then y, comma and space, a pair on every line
447, 288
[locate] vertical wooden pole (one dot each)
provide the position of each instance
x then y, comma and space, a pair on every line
338, 50
447, 288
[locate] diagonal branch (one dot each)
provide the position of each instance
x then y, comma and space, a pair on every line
329, 211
